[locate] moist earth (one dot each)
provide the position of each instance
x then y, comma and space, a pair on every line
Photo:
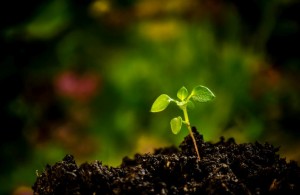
225, 168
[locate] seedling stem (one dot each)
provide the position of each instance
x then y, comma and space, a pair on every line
186, 119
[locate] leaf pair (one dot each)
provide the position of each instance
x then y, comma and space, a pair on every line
199, 93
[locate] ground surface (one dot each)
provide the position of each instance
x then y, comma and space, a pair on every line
225, 168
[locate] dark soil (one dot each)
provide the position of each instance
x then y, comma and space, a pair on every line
225, 168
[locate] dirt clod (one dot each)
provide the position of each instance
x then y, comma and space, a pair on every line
225, 168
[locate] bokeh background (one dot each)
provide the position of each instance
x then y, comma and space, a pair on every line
79, 77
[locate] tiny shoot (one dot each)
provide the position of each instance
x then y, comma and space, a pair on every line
186, 100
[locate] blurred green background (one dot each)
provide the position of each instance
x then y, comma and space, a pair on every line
79, 77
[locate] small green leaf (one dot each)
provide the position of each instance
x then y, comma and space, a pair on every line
190, 105
182, 93
202, 94
176, 124
161, 103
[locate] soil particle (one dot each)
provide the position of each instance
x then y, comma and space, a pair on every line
225, 168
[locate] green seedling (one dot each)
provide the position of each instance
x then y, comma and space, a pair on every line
186, 100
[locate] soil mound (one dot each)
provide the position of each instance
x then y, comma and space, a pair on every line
225, 168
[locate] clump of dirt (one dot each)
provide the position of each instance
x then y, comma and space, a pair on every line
225, 168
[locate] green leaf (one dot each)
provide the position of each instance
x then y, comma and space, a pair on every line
182, 93
176, 124
202, 94
190, 105
161, 103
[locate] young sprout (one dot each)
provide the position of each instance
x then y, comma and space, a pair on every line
198, 94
